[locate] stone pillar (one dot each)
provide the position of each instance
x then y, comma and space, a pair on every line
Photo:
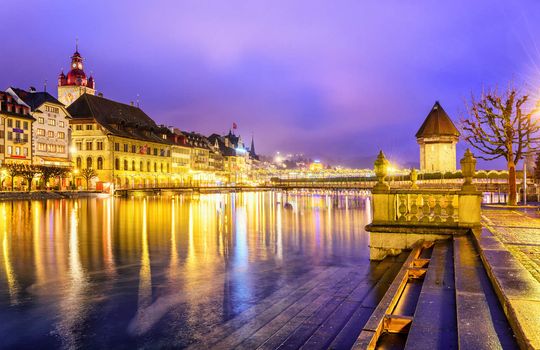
470, 199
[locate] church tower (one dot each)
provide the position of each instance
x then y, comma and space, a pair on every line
75, 83
437, 138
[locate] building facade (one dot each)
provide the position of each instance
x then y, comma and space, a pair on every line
75, 83
15, 131
51, 130
437, 138
123, 144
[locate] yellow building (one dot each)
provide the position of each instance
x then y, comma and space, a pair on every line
123, 144
15, 131
437, 138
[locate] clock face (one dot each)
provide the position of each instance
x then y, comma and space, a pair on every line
74, 65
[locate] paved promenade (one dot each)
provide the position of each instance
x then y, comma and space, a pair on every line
519, 231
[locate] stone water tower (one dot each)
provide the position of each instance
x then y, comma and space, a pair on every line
437, 138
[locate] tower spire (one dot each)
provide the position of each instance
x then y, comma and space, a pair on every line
76, 44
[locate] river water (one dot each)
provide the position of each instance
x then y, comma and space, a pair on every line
162, 271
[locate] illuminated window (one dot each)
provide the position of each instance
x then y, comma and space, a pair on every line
61, 135
40, 132
52, 122
50, 134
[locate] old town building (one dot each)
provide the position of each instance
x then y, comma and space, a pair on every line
75, 83
51, 130
15, 131
123, 144
437, 138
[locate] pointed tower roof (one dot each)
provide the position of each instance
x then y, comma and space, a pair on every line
252, 147
437, 123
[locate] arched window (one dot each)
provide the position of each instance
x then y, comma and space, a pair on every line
79, 162
168, 168
161, 167
117, 164
155, 167
89, 162
125, 164
141, 166
147, 166
133, 165
100, 163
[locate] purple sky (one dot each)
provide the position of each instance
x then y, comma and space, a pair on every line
333, 79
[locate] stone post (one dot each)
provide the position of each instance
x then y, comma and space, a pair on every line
414, 178
470, 199
383, 201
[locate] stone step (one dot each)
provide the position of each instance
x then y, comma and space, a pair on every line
481, 323
434, 325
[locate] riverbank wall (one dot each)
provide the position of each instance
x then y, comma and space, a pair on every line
44, 195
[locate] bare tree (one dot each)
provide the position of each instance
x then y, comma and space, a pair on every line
537, 167
28, 172
12, 170
88, 174
48, 172
498, 126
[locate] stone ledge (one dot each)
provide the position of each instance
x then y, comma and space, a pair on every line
417, 229
517, 290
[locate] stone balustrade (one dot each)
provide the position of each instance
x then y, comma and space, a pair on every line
403, 216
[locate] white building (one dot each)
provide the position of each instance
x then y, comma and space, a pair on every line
50, 130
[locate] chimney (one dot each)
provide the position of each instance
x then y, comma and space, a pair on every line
100, 94
32, 89
131, 103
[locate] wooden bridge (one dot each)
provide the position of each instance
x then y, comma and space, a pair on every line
363, 186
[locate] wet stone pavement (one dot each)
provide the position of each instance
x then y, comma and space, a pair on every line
519, 231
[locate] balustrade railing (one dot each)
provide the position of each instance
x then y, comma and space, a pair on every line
426, 207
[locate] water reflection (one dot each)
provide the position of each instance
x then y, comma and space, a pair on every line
163, 271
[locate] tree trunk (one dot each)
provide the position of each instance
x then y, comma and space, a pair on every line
512, 190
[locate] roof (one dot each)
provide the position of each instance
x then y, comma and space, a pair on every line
118, 118
437, 123
35, 99
225, 151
